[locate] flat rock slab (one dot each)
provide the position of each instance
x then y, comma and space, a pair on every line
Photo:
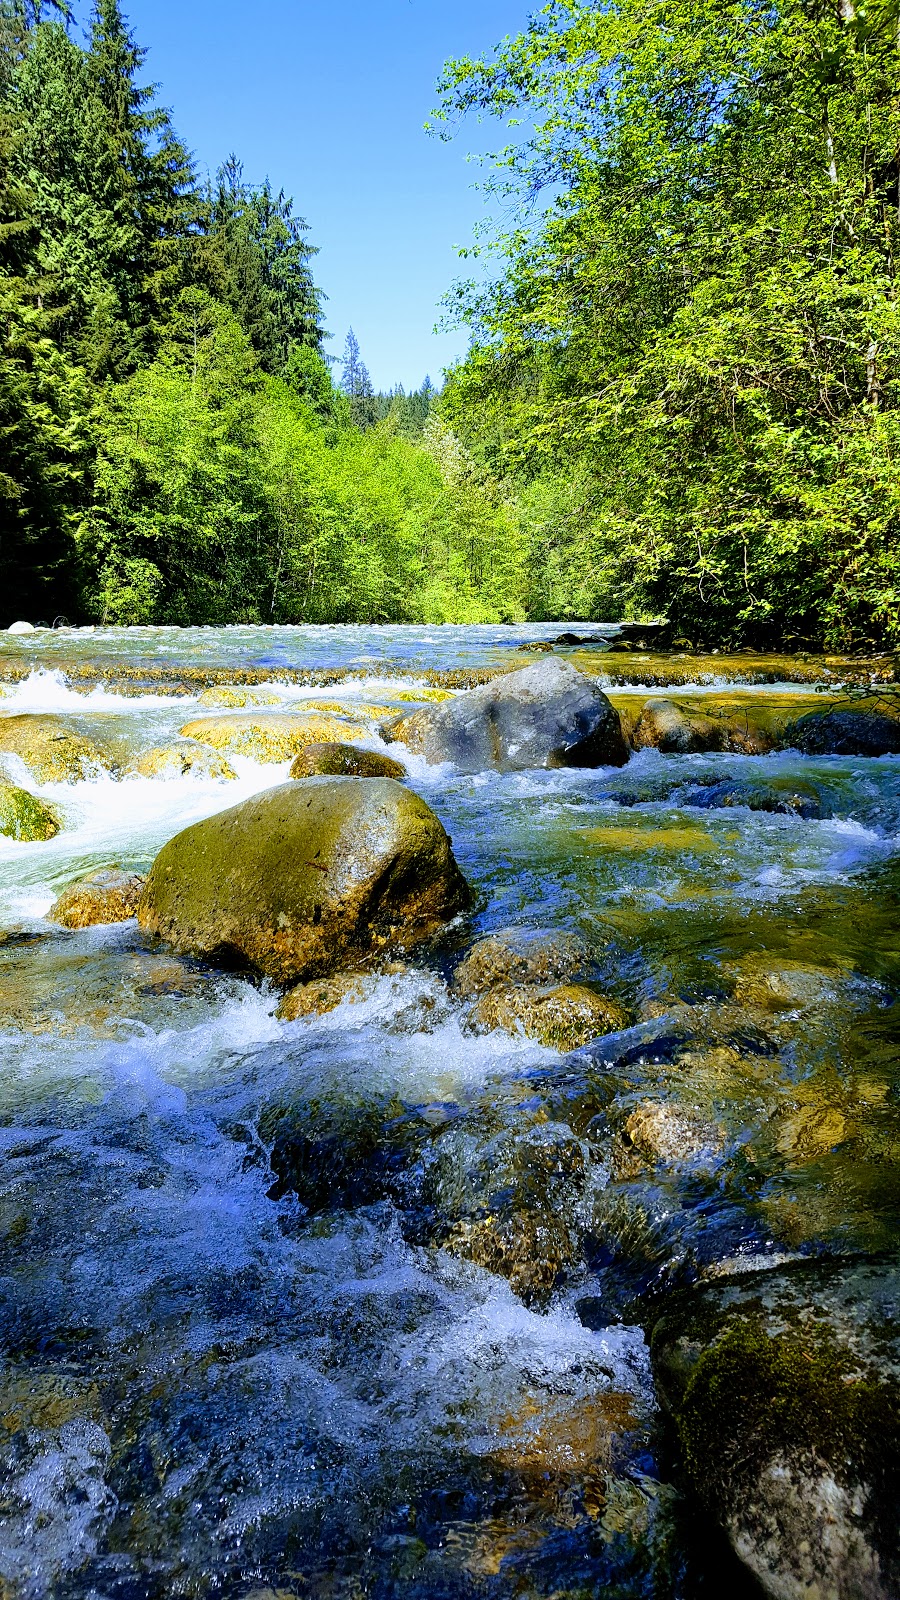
547, 715
306, 879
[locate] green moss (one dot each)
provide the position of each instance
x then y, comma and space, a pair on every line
24, 817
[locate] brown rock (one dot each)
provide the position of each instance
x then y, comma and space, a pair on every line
344, 761
321, 995
108, 895
564, 1018
520, 955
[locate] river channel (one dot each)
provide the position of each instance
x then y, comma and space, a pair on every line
356, 1307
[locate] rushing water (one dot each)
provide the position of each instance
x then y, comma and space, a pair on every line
356, 1306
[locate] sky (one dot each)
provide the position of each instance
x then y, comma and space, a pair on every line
329, 101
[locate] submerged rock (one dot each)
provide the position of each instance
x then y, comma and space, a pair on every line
344, 761
108, 895
845, 733
24, 817
563, 1018
186, 756
519, 955
784, 1388
271, 737
306, 878
663, 1131
51, 749
547, 715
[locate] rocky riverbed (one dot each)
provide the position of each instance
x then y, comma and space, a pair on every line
451, 1117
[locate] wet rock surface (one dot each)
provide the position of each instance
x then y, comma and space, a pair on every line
518, 955
343, 760
547, 715
24, 817
302, 880
846, 733
784, 1389
563, 1017
272, 736
108, 895
178, 760
52, 750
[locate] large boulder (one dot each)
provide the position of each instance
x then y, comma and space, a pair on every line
306, 878
272, 736
53, 751
24, 817
547, 715
108, 895
784, 1388
845, 733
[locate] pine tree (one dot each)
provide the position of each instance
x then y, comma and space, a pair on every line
357, 385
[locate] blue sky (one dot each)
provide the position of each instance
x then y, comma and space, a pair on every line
329, 100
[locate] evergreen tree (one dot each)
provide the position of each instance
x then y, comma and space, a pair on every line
357, 385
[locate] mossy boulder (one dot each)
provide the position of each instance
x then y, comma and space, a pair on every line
306, 879
562, 1018
845, 733
108, 895
520, 955
52, 750
271, 737
784, 1390
344, 760
546, 715
184, 758
24, 817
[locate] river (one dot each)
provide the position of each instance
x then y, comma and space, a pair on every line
411, 1360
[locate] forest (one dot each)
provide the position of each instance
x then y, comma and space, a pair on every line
681, 393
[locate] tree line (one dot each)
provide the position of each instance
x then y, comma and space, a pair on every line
173, 444
682, 392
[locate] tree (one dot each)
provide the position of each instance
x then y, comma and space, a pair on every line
357, 385
698, 324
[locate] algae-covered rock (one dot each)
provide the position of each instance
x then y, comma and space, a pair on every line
320, 995
108, 895
344, 760
184, 758
563, 1018
845, 733
784, 1387
269, 737
24, 817
53, 751
663, 1131
520, 955
239, 697
306, 878
547, 715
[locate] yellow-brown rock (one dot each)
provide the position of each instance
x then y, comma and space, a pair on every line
518, 955
344, 761
563, 1018
53, 751
306, 879
320, 995
108, 895
186, 757
273, 736
239, 697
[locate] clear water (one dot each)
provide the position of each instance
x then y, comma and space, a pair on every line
356, 1306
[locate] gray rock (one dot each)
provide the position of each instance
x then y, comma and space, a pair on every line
784, 1387
845, 733
547, 715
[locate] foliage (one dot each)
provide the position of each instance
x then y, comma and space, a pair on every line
690, 362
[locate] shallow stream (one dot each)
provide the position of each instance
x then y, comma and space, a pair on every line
356, 1306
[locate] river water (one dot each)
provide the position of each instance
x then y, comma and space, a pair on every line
358, 1305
